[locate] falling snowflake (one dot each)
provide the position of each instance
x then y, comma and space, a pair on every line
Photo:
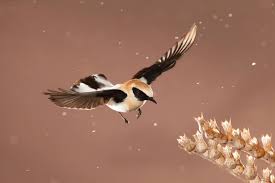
253, 63
138, 149
43, 31
121, 10
97, 167
230, 15
226, 26
176, 37
137, 53
215, 17
102, 3
155, 124
64, 113
222, 87
82, 2
146, 57
197, 83
200, 22
93, 131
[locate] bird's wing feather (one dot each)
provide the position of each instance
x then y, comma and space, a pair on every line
168, 60
91, 83
88, 100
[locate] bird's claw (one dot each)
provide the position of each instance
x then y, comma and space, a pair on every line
139, 113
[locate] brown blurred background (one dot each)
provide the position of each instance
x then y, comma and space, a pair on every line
229, 73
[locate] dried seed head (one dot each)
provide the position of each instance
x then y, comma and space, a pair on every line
220, 161
238, 170
201, 145
236, 155
258, 151
253, 141
213, 124
245, 134
266, 141
250, 160
229, 159
213, 152
200, 121
227, 151
186, 143
227, 127
238, 142
266, 174
250, 171
236, 132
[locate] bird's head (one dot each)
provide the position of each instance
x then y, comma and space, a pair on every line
143, 92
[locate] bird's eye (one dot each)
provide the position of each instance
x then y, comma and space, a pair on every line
139, 94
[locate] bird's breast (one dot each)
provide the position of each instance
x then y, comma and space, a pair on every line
130, 103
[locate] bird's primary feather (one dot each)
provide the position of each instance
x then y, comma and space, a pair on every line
87, 100
168, 60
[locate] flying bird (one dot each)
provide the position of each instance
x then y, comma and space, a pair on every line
95, 90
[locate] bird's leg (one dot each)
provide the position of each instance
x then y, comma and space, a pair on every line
125, 120
139, 113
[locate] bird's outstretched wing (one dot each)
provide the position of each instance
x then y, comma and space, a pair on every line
87, 100
168, 60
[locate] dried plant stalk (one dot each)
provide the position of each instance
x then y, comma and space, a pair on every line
224, 147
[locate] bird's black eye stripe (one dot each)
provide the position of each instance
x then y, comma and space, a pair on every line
139, 94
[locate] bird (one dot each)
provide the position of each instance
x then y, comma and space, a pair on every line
96, 90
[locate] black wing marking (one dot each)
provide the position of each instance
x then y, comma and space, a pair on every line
89, 100
168, 60
92, 82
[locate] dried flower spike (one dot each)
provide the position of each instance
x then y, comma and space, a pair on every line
221, 144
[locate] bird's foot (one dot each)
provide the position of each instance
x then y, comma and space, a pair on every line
139, 112
125, 120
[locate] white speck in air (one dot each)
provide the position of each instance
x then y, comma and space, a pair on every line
138, 149
64, 113
97, 167
27, 170
197, 83
82, 2
43, 31
93, 131
222, 87
121, 10
137, 53
226, 26
253, 63
230, 15
155, 124
176, 37
146, 57
215, 17
200, 22
102, 3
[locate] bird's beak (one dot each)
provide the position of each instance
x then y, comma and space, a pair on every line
152, 100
